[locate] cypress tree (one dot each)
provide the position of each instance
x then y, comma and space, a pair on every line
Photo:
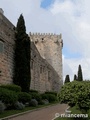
80, 76
67, 79
22, 56
75, 77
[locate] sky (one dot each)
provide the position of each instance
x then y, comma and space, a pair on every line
69, 17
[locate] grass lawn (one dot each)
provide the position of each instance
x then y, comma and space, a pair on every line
12, 112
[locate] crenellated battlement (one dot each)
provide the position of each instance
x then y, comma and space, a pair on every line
46, 37
45, 34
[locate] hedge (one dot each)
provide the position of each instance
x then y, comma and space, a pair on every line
8, 96
12, 87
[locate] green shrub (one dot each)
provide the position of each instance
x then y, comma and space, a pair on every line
54, 93
33, 91
68, 93
76, 93
83, 100
45, 102
52, 98
19, 106
44, 96
24, 97
33, 102
49, 97
36, 96
2, 107
13, 87
8, 96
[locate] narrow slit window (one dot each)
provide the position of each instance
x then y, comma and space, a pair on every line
1, 47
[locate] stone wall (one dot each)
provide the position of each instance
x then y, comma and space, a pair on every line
43, 76
6, 50
50, 48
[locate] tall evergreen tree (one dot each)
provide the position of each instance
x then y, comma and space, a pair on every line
22, 56
67, 79
75, 77
80, 76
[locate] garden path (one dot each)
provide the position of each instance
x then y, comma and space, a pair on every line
47, 113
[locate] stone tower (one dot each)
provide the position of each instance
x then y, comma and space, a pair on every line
50, 48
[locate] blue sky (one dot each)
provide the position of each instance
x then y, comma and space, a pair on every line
46, 3
69, 17
69, 54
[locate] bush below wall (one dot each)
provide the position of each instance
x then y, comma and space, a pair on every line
12, 98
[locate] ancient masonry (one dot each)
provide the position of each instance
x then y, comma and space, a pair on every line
46, 57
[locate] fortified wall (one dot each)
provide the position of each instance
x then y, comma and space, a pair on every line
46, 58
43, 76
50, 48
6, 49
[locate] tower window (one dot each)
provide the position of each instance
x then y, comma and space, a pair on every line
1, 47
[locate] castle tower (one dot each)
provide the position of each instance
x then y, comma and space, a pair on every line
50, 48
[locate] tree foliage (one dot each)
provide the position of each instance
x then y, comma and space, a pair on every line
80, 76
67, 79
22, 56
76, 93
75, 77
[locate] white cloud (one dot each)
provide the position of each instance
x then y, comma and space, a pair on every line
66, 7
77, 34
69, 17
